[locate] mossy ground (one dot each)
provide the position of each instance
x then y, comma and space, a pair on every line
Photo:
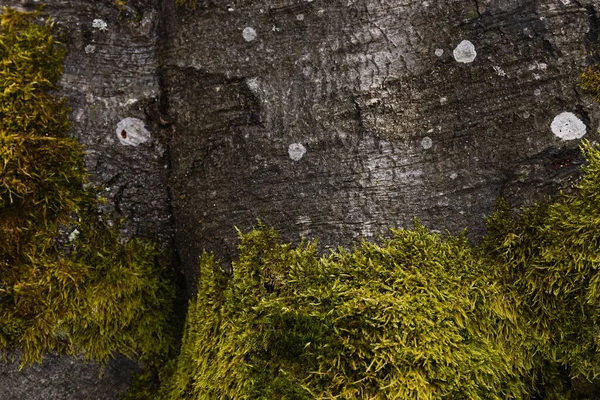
69, 282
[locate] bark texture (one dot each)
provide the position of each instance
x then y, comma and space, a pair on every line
339, 119
327, 118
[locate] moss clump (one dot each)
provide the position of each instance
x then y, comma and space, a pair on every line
92, 292
550, 257
590, 81
419, 316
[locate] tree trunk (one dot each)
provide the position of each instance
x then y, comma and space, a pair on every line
339, 119
326, 118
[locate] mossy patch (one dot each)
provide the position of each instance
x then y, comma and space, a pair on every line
69, 282
590, 81
419, 316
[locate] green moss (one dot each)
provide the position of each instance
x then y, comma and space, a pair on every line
68, 281
550, 257
419, 316
590, 81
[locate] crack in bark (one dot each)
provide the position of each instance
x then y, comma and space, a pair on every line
477, 8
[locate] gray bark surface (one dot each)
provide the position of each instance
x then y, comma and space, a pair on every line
326, 118
391, 130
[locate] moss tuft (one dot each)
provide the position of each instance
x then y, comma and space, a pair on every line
68, 281
418, 316
590, 81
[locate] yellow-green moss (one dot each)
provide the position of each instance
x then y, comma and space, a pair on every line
550, 257
68, 281
590, 81
419, 316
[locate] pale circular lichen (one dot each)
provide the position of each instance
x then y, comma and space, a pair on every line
465, 52
132, 132
427, 143
296, 151
100, 24
567, 126
249, 34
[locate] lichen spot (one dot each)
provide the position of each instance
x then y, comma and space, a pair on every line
296, 151
249, 34
100, 24
439, 52
567, 126
73, 235
300, 17
132, 132
427, 143
90, 48
465, 52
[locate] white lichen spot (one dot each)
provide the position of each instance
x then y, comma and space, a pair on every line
253, 85
296, 151
443, 100
300, 17
567, 126
90, 48
427, 143
526, 115
100, 24
231, 9
132, 132
499, 71
249, 34
465, 52
453, 175
129, 102
439, 52
73, 235
537, 92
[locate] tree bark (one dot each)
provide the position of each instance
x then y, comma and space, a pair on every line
326, 118
339, 119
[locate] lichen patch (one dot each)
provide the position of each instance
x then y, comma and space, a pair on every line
427, 143
249, 34
132, 132
296, 151
567, 126
100, 24
465, 52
